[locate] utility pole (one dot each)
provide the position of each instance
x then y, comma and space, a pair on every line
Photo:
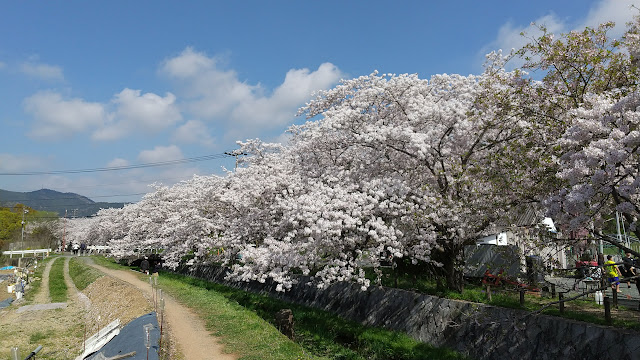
24, 211
64, 232
234, 154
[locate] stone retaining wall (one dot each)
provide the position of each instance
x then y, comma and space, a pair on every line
479, 331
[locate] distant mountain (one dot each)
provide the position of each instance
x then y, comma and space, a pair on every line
55, 201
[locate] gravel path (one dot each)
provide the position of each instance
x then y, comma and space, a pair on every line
187, 329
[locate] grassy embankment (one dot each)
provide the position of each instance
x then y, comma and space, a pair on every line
319, 332
81, 274
57, 286
244, 322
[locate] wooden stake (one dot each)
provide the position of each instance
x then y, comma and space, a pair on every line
607, 310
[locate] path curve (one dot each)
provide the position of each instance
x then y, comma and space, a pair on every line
187, 329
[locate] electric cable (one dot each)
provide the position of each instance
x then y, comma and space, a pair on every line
73, 198
118, 168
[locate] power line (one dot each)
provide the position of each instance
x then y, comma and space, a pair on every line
72, 198
118, 168
58, 206
143, 181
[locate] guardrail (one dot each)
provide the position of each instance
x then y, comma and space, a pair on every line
98, 249
33, 252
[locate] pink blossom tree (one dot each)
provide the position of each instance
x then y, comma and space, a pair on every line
586, 106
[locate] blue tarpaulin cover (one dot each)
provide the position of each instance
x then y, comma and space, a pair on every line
8, 268
132, 338
6, 302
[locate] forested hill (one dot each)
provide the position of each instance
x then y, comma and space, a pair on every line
55, 201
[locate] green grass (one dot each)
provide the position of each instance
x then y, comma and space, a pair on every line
82, 274
39, 336
57, 286
427, 285
243, 331
109, 263
321, 333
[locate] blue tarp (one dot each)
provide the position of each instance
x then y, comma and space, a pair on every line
6, 302
132, 338
8, 268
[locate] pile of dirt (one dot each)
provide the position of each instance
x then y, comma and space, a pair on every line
114, 299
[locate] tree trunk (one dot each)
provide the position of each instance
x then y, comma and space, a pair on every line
453, 269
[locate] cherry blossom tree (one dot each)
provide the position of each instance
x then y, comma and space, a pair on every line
420, 154
600, 162
76, 231
586, 106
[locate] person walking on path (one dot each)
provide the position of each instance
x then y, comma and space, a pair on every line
144, 266
613, 273
628, 270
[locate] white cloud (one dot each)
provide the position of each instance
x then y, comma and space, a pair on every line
194, 132
509, 37
213, 92
160, 154
139, 112
18, 163
42, 71
118, 162
281, 107
188, 64
618, 11
57, 118
216, 95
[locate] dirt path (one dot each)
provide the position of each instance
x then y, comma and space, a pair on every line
42, 297
188, 330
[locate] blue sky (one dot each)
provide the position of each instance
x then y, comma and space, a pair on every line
87, 84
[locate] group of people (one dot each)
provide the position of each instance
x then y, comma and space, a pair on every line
616, 273
150, 266
79, 249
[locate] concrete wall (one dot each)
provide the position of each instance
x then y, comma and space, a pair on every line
479, 331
